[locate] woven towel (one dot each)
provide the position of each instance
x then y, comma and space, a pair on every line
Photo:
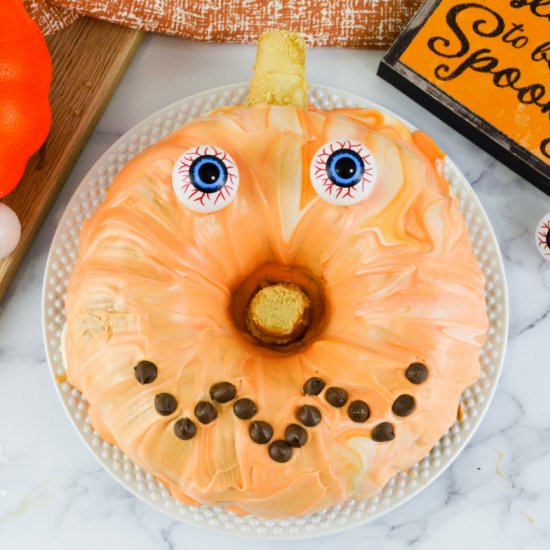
50, 18
348, 23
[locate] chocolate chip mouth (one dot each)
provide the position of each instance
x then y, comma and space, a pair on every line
282, 308
308, 415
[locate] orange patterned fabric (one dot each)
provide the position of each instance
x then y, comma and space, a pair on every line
347, 23
49, 18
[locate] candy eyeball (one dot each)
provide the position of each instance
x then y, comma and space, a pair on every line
10, 230
542, 237
343, 172
205, 178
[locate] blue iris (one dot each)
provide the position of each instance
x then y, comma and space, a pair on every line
208, 173
345, 168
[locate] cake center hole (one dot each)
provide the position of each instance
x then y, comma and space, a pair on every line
278, 313
278, 307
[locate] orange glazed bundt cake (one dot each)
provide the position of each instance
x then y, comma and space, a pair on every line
277, 308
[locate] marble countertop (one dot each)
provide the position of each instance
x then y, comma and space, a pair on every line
54, 495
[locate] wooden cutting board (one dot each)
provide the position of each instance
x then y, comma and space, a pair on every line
89, 58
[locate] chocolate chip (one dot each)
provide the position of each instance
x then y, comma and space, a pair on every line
358, 411
403, 405
337, 397
260, 432
383, 432
280, 451
314, 386
205, 412
222, 392
185, 429
308, 415
416, 373
145, 372
244, 408
295, 435
165, 403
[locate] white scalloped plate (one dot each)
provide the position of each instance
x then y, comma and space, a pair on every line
401, 487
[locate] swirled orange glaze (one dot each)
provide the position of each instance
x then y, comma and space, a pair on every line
154, 281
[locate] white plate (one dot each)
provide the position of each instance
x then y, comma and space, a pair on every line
401, 487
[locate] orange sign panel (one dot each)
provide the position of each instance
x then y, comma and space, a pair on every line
493, 57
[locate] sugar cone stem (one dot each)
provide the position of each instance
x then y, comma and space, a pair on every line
279, 76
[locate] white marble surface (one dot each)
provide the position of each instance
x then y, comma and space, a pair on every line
53, 494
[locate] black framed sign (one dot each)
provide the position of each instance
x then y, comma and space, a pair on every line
484, 68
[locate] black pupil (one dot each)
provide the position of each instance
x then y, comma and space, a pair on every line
345, 167
209, 172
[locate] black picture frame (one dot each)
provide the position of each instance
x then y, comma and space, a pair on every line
459, 117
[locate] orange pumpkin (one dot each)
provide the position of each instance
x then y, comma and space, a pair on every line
25, 78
